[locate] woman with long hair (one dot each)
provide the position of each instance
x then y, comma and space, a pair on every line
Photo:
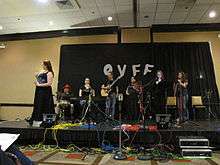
182, 98
43, 100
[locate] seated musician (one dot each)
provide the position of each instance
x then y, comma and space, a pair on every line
64, 102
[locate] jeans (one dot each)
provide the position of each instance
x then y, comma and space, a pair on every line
21, 157
4, 159
110, 105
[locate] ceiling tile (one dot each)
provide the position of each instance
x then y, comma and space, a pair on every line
200, 7
176, 21
126, 23
105, 11
166, 1
148, 8
105, 2
195, 15
85, 5
165, 7
191, 21
124, 8
143, 2
204, 1
162, 16
123, 2
179, 15
125, 16
160, 21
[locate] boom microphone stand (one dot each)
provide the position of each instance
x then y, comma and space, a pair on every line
119, 155
208, 96
146, 87
91, 103
88, 106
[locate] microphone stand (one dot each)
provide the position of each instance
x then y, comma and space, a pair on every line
119, 155
88, 106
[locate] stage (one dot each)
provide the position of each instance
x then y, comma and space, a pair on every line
93, 137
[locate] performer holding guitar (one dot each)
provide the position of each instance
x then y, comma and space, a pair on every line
109, 89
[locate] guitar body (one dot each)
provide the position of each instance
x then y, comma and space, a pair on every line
104, 92
106, 89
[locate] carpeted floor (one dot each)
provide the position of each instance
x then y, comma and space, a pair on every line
67, 158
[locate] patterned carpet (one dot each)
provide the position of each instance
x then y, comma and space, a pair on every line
76, 158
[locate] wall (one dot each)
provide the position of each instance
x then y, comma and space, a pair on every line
21, 59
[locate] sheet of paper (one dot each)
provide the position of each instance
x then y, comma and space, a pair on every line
6, 139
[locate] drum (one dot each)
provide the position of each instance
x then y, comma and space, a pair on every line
64, 104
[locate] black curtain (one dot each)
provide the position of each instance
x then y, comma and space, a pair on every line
80, 61
196, 60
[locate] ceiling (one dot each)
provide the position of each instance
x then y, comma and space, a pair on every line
19, 16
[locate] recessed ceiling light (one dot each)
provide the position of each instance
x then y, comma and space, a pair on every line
1, 27
212, 14
42, 1
110, 18
51, 23
65, 31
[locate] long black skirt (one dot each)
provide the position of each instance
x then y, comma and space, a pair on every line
43, 103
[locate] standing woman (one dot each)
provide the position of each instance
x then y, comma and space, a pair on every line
182, 98
133, 100
159, 94
43, 100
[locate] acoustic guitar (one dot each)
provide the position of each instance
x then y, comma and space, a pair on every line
106, 89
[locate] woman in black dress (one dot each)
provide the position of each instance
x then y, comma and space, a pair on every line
43, 100
133, 94
158, 94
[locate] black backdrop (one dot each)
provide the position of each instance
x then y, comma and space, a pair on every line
80, 61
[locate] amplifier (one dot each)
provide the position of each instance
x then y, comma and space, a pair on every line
196, 153
193, 142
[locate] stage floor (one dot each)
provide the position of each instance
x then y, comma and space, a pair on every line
189, 126
92, 137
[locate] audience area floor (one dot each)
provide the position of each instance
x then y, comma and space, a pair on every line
63, 158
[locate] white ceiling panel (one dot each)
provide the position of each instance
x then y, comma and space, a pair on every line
123, 2
195, 15
143, 2
191, 21
166, 1
163, 16
105, 11
160, 21
124, 16
200, 7
165, 7
124, 8
205, 1
105, 2
179, 15
85, 5
176, 21
148, 8
126, 22
18, 16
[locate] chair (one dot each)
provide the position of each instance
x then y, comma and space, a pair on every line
171, 106
197, 104
171, 102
